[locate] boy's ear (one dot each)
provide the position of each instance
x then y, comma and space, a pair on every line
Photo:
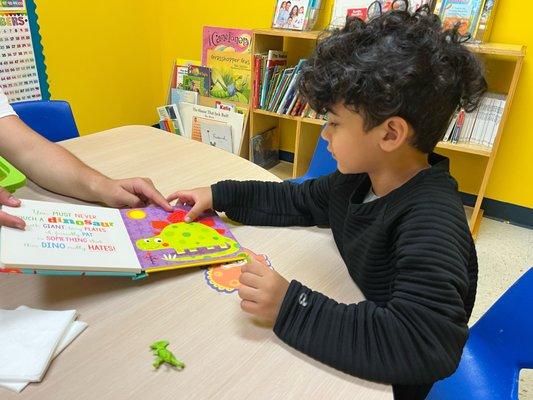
395, 133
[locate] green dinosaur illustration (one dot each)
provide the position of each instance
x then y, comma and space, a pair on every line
164, 356
187, 239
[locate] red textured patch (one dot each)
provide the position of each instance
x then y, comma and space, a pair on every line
8, 270
159, 224
207, 221
221, 231
177, 216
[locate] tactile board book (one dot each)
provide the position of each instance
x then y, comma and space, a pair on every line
69, 239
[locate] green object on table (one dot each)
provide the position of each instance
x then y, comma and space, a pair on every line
163, 355
10, 178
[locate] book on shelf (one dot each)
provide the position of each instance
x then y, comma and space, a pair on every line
227, 52
231, 74
181, 69
193, 115
474, 16
364, 9
170, 119
179, 95
479, 127
290, 91
278, 87
217, 135
484, 27
231, 40
465, 12
70, 239
198, 79
264, 148
274, 58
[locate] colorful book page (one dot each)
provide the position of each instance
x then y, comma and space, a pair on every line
163, 240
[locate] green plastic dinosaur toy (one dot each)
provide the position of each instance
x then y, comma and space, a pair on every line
163, 355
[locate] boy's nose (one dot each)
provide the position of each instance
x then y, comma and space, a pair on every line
324, 133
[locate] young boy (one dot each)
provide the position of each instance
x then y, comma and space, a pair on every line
390, 87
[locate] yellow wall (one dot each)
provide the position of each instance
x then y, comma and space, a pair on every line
512, 177
114, 68
104, 60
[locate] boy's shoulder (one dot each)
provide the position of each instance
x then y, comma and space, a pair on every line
433, 198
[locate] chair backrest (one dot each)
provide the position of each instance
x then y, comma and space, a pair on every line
508, 325
52, 119
499, 345
322, 162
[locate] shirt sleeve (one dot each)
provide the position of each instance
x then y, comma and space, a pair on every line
275, 204
5, 107
418, 335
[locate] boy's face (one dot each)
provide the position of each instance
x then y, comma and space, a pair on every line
355, 150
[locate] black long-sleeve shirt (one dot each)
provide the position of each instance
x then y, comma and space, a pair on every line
411, 254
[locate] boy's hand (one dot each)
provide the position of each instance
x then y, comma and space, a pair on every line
6, 199
262, 290
200, 198
133, 192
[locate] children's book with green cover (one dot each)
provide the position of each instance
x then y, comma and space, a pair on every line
198, 79
231, 75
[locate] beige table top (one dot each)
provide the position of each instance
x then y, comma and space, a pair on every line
228, 354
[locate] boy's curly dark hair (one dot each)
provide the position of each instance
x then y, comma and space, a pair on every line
397, 64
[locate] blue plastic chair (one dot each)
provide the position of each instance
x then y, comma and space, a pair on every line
53, 119
322, 162
499, 345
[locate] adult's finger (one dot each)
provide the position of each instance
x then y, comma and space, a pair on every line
11, 221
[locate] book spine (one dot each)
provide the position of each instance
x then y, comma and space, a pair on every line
450, 128
283, 77
257, 83
289, 93
282, 90
458, 126
294, 99
273, 86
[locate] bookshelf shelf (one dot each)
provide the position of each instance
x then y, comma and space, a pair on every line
313, 35
479, 150
500, 49
315, 121
306, 130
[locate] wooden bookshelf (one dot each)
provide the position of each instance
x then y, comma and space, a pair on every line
499, 49
313, 35
315, 121
469, 148
304, 130
513, 56
307, 130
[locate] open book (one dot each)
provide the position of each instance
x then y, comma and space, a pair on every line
69, 239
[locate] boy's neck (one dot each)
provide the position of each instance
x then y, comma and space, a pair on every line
396, 173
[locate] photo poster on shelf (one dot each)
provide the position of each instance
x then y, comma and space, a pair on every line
22, 69
291, 15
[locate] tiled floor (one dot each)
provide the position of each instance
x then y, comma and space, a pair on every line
505, 252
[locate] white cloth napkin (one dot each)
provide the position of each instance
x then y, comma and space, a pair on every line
75, 328
29, 338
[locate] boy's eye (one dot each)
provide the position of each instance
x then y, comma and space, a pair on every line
333, 124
